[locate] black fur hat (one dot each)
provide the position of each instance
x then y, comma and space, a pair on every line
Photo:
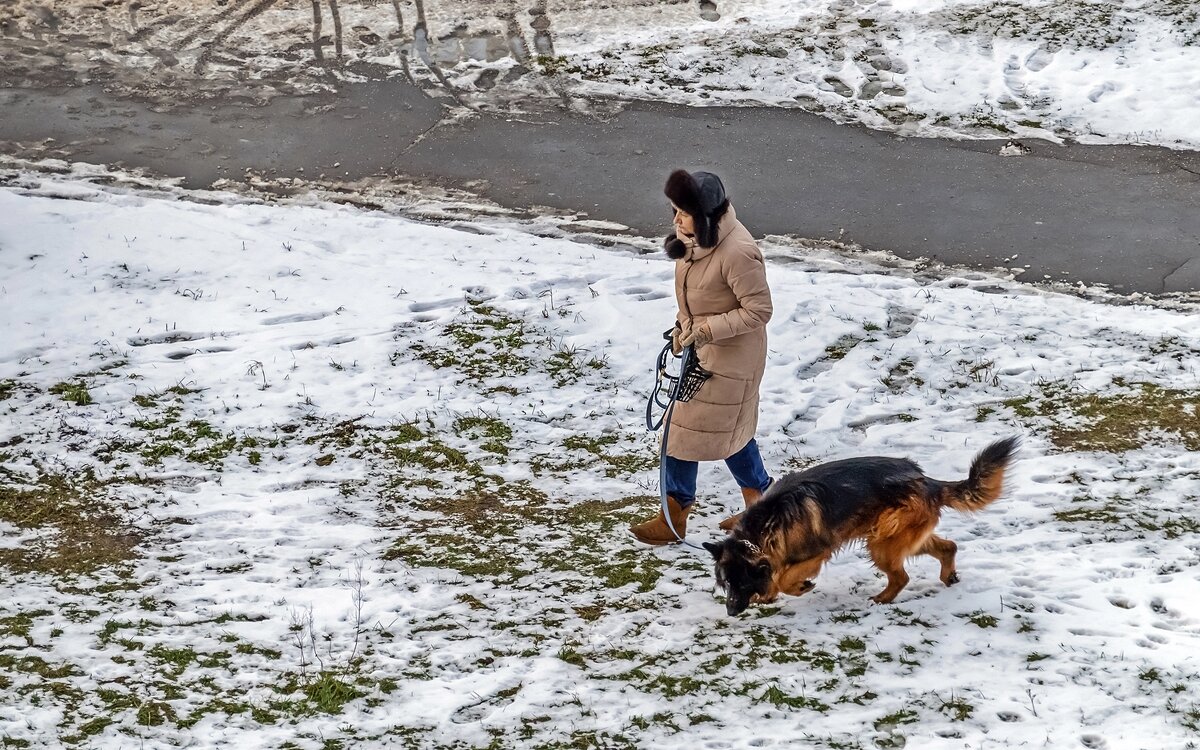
702, 196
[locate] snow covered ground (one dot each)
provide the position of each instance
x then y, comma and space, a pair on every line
313, 477
1096, 72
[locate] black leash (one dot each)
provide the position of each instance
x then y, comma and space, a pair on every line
674, 389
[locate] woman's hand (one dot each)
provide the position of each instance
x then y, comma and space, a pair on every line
698, 336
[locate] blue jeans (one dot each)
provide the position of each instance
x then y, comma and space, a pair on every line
746, 466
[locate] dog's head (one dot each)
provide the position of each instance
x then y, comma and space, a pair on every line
741, 570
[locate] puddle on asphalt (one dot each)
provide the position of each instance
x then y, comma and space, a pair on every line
255, 50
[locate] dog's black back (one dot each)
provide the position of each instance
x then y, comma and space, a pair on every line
844, 493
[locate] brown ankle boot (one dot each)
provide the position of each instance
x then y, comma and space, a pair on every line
750, 497
656, 531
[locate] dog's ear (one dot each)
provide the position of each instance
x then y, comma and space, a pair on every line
715, 549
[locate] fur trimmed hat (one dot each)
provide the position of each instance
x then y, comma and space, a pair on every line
702, 196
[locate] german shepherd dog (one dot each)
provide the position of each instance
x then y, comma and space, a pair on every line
781, 542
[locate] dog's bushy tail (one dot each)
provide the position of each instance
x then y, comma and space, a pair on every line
984, 483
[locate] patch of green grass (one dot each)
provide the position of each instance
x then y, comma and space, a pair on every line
498, 560
840, 348
567, 365
154, 399
615, 464
7, 388
483, 344
624, 568
217, 706
433, 455
1120, 514
779, 699
37, 666
852, 644
980, 619
896, 718
490, 432
175, 660
75, 393
155, 713
1126, 418
406, 432
956, 708
168, 434
20, 625
900, 376
329, 693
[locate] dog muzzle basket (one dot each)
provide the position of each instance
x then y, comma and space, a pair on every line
669, 388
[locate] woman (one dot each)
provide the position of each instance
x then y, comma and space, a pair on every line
724, 306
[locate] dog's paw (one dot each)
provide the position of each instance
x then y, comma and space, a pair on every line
802, 588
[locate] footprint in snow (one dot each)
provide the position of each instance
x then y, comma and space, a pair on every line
839, 87
295, 318
185, 353
437, 304
478, 293
336, 341
1097, 93
645, 293
899, 322
168, 337
1039, 59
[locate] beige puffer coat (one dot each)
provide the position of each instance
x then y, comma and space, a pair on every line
725, 286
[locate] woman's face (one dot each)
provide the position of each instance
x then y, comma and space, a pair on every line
684, 223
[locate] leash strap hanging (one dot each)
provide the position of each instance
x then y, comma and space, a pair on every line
683, 388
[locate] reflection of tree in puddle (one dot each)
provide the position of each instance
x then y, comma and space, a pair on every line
474, 44
470, 49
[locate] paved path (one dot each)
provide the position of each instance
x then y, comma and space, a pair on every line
1125, 216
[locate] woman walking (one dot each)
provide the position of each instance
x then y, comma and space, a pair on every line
724, 305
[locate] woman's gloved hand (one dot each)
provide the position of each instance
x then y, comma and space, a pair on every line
699, 336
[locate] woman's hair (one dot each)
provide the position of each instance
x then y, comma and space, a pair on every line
702, 196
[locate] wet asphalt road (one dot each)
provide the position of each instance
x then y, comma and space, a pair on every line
1123, 216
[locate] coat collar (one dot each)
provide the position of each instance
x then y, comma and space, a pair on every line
724, 227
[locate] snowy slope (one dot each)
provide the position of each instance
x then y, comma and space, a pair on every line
379, 473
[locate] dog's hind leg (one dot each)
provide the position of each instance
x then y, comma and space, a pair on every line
888, 554
944, 550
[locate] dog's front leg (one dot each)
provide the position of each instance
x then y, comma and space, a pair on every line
796, 580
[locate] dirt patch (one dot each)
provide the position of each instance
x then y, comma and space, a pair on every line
76, 532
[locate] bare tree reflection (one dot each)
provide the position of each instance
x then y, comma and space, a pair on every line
318, 39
